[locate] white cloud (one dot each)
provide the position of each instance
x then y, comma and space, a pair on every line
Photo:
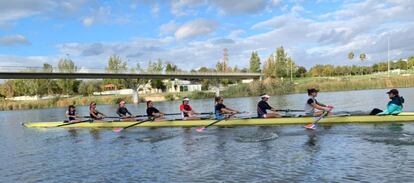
237, 7
361, 26
196, 28
185, 7
168, 28
99, 15
225, 7
155, 9
17, 9
26, 61
276, 2
88, 21
12, 40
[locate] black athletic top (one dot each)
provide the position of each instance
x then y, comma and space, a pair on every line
123, 111
151, 111
71, 113
262, 106
217, 110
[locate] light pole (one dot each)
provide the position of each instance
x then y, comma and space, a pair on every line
291, 70
388, 56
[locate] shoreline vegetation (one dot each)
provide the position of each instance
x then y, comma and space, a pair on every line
269, 86
281, 75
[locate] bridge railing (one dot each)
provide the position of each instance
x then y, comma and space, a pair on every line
104, 71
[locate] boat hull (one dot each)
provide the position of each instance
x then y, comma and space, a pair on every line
234, 122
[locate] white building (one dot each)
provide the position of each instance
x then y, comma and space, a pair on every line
177, 85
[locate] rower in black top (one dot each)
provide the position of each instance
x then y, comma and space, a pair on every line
95, 114
220, 110
71, 114
263, 106
153, 112
122, 110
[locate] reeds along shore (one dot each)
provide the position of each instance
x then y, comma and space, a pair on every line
269, 86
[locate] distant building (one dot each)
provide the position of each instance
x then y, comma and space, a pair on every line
178, 85
109, 87
247, 80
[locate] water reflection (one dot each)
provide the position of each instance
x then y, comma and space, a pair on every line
73, 132
340, 153
95, 133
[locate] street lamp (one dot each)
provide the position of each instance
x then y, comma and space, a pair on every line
388, 56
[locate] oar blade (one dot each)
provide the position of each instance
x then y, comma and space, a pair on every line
310, 126
200, 129
117, 130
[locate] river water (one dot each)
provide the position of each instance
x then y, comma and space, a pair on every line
338, 153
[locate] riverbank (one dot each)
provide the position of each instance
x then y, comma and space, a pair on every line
108, 99
271, 87
324, 84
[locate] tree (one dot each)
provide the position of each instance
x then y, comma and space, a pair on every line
281, 63
171, 68
269, 67
219, 67
300, 72
254, 63
116, 65
351, 55
156, 67
46, 86
362, 56
86, 88
410, 63
67, 86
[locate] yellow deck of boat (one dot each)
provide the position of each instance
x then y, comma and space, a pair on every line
403, 117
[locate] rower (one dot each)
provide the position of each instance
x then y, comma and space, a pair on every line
263, 106
153, 112
187, 111
95, 114
122, 111
312, 104
394, 106
71, 114
220, 109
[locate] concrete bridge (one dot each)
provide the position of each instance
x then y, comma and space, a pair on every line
30, 73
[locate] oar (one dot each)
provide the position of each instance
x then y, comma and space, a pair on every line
66, 124
140, 116
211, 124
312, 126
117, 130
289, 110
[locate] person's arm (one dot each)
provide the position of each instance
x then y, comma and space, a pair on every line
103, 115
157, 113
67, 114
268, 107
128, 112
228, 111
182, 109
316, 106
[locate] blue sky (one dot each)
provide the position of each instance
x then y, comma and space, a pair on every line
193, 33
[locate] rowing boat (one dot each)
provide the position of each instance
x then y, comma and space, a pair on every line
402, 117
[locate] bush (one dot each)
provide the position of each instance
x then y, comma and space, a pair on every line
169, 96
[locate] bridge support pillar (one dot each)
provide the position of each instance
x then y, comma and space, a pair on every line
135, 98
